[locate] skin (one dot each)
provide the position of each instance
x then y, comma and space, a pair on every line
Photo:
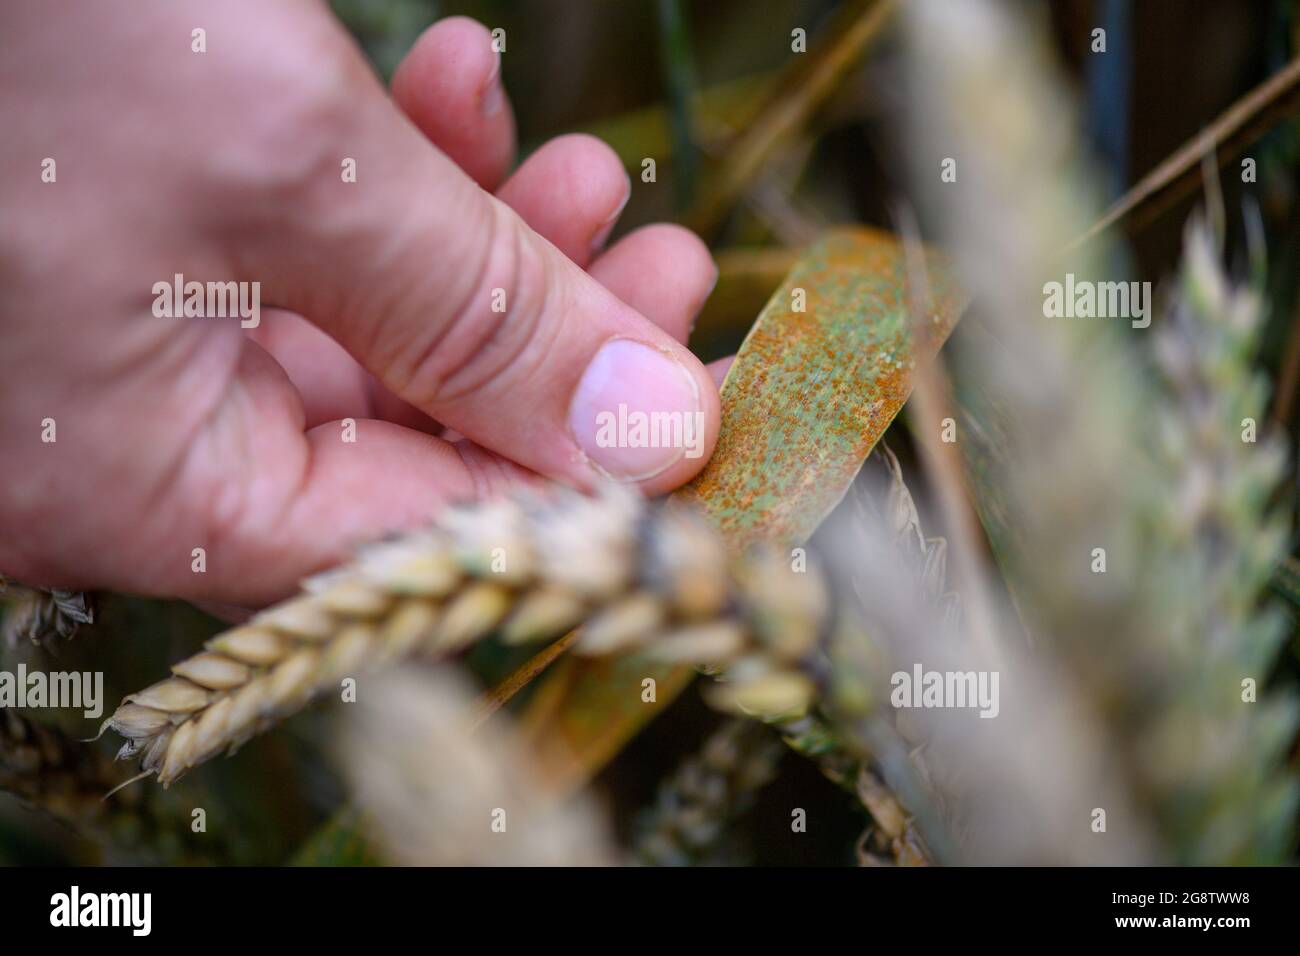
180, 433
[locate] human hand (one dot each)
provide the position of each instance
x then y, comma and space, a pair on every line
173, 434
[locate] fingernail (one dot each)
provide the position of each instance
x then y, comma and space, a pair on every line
492, 97
636, 412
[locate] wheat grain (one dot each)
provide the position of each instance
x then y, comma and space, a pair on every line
650, 578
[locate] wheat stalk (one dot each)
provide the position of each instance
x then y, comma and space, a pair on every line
528, 568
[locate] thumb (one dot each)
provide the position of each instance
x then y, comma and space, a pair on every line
459, 308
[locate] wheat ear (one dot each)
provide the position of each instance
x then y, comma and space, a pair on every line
67, 779
46, 770
41, 616
653, 578
706, 794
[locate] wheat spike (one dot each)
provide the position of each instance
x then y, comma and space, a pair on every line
706, 793
42, 616
67, 780
650, 578
46, 770
1084, 448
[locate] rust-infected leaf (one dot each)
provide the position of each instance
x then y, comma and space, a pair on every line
811, 392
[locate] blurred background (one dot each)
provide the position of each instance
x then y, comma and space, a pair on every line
759, 149
687, 84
